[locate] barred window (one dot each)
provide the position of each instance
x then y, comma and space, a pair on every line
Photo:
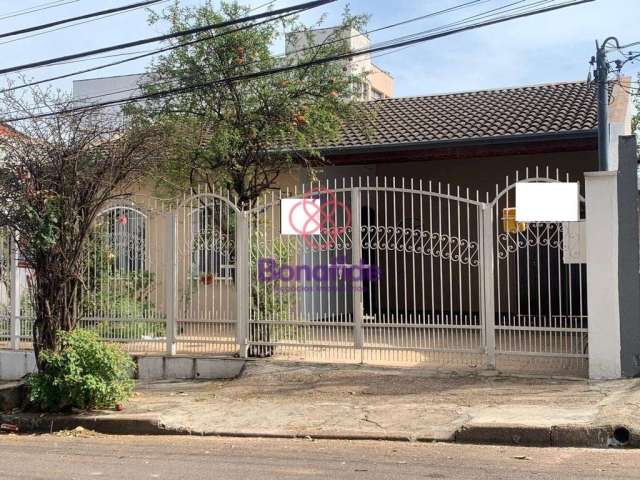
126, 232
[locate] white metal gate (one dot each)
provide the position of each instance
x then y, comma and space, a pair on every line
398, 272
460, 282
539, 279
424, 304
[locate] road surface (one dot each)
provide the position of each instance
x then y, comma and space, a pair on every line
90, 456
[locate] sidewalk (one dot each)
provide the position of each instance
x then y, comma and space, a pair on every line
359, 402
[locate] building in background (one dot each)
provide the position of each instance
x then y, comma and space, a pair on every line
107, 89
377, 84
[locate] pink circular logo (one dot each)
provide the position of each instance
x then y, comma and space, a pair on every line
319, 227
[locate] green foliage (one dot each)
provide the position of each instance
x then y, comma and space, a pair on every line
83, 373
45, 225
242, 135
266, 305
110, 292
57, 173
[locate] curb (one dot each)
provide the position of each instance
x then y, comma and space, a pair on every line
531, 436
12, 395
37, 423
528, 436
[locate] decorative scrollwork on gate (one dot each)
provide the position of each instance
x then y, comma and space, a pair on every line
421, 242
339, 243
534, 235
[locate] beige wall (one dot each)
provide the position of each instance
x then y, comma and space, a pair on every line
380, 81
376, 78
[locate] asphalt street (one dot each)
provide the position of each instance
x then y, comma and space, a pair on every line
178, 457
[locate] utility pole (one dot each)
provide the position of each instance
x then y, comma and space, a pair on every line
602, 77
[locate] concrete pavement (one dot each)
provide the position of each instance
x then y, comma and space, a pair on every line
358, 402
61, 457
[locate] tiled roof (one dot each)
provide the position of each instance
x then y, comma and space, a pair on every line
530, 110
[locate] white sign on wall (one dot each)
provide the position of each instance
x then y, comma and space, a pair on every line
300, 216
547, 202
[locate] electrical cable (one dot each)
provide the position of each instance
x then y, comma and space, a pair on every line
258, 74
182, 33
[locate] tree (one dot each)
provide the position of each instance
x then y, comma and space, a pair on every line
57, 174
242, 135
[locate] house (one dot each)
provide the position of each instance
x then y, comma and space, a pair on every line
426, 194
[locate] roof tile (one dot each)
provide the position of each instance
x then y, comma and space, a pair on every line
530, 110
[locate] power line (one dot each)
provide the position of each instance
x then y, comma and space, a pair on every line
483, 15
64, 21
492, 13
182, 33
98, 57
37, 8
166, 49
64, 27
258, 74
404, 22
137, 57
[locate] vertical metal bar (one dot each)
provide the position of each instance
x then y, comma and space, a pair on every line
387, 249
432, 331
487, 267
243, 293
379, 313
356, 232
171, 284
442, 334
14, 296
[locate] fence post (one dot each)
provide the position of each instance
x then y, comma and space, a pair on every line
487, 299
243, 293
171, 283
356, 253
14, 296
612, 266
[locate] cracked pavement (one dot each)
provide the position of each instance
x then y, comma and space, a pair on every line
287, 399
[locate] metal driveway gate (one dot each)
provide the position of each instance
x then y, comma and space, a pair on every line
424, 303
459, 281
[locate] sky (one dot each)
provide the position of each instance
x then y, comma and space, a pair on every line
551, 47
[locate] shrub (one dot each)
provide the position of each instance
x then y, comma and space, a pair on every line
83, 373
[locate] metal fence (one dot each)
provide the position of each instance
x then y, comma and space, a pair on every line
393, 271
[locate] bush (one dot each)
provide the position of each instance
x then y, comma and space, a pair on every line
84, 373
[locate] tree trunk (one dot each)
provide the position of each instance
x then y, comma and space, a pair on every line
54, 303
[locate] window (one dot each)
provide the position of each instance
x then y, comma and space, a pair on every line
125, 229
376, 94
213, 243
